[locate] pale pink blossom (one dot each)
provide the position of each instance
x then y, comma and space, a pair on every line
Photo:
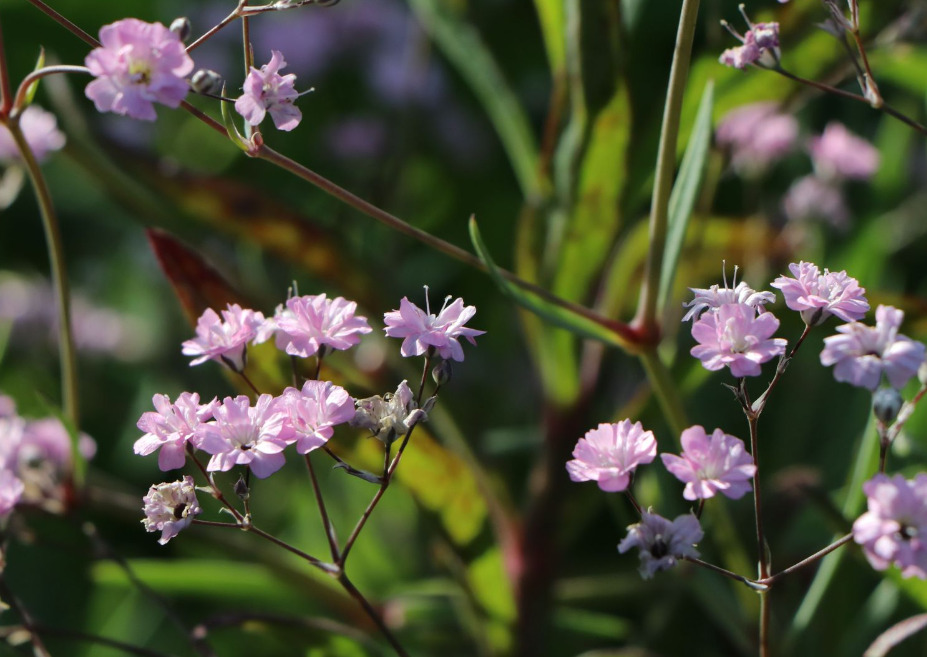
244, 435
225, 339
171, 427
11, 491
810, 198
47, 439
715, 296
170, 508
662, 542
760, 45
311, 323
313, 412
735, 336
138, 64
40, 128
708, 465
862, 354
817, 296
610, 453
894, 528
421, 331
266, 91
756, 135
838, 154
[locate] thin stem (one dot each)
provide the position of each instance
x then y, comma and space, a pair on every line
61, 20
221, 24
757, 506
764, 623
808, 560
374, 616
756, 586
666, 165
66, 351
326, 521
249, 382
216, 491
23, 88
421, 385
760, 403
665, 390
5, 88
9, 598
331, 569
77, 635
213, 523
633, 500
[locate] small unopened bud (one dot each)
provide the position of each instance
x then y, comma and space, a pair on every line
181, 27
205, 81
442, 372
242, 490
886, 403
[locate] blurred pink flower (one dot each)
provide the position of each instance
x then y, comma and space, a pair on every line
311, 323
708, 465
226, 339
313, 412
893, 529
11, 491
266, 91
47, 439
139, 64
421, 331
662, 542
810, 197
610, 453
862, 353
736, 337
172, 427
170, 508
244, 435
757, 135
818, 296
40, 129
838, 154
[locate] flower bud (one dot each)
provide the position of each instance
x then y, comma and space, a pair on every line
242, 490
205, 81
442, 372
886, 403
181, 27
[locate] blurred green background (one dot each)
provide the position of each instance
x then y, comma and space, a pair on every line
541, 119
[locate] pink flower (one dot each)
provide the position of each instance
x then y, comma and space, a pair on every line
809, 197
170, 508
838, 154
172, 427
244, 435
392, 415
862, 353
661, 542
736, 337
47, 439
313, 412
268, 91
756, 136
894, 527
760, 45
818, 296
40, 129
421, 331
311, 323
226, 339
139, 64
714, 297
610, 453
710, 465
11, 491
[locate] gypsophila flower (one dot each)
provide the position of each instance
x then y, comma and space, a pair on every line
11, 491
862, 354
139, 64
172, 427
226, 339
310, 323
817, 296
170, 508
391, 415
760, 45
709, 465
313, 412
838, 154
421, 331
40, 128
661, 542
244, 435
894, 528
756, 135
610, 453
268, 92
810, 198
735, 336
714, 297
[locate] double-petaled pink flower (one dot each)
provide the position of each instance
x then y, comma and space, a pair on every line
711, 464
226, 339
312, 413
171, 426
735, 336
662, 542
242, 434
894, 528
610, 453
817, 296
268, 92
862, 354
311, 323
712, 298
40, 128
422, 331
138, 64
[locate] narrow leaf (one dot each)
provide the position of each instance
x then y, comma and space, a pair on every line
30, 92
685, 192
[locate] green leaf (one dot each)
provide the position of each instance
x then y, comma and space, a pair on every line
685, 192
230, 127
34, 87
551, 16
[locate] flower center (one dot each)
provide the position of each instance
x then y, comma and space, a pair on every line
139, 72
659, 549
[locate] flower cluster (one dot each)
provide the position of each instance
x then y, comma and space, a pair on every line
893, 529
817, 296
760, 45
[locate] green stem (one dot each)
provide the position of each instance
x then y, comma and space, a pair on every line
666, 165
665, 390
5, 88
66, 351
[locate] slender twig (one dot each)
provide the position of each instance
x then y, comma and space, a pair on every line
77, 635
61, 20
25, 617
214, 29
753, 584
666, 165
6, 96
760, 403
249, 382
374, 616
326, 521
23, 89
331, 569
216, 491
808, 560
421, 385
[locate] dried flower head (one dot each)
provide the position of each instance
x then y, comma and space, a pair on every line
170, 508
662, 542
